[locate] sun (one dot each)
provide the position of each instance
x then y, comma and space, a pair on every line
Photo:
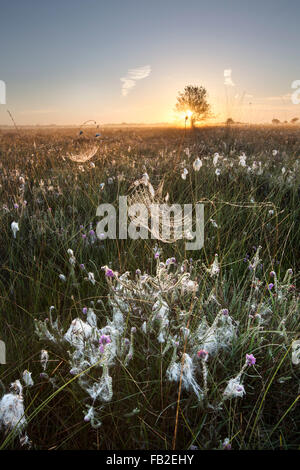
186, 114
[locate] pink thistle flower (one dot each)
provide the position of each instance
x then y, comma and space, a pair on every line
104, 339
202, 354
109, 273
251, 360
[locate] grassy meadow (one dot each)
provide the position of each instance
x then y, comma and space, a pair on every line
196, 351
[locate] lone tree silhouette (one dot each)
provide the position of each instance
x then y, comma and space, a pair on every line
193, 100
294, 120
229, 121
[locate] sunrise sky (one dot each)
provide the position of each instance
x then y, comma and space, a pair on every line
114, 61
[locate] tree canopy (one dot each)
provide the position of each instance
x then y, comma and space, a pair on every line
193, 101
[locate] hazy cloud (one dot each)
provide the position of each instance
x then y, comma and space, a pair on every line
2, 92
132, 76
227, 75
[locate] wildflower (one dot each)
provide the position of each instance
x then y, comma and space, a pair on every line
78, 333
270, 286
145, 178
184, 369
296, 352
215, 159
91, 278
91, 317
82, 267
109, 273
218, 171
89, 415
197, 164
173, 371
104, 339
250, 359
144, 327
202, 354
234, 389
12, 413
226, 444
15, 228
242, 160
27, 378
214, 269
72, 259
184, 173
84, 310
188, 286
62, 277
24, 441
44, 358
